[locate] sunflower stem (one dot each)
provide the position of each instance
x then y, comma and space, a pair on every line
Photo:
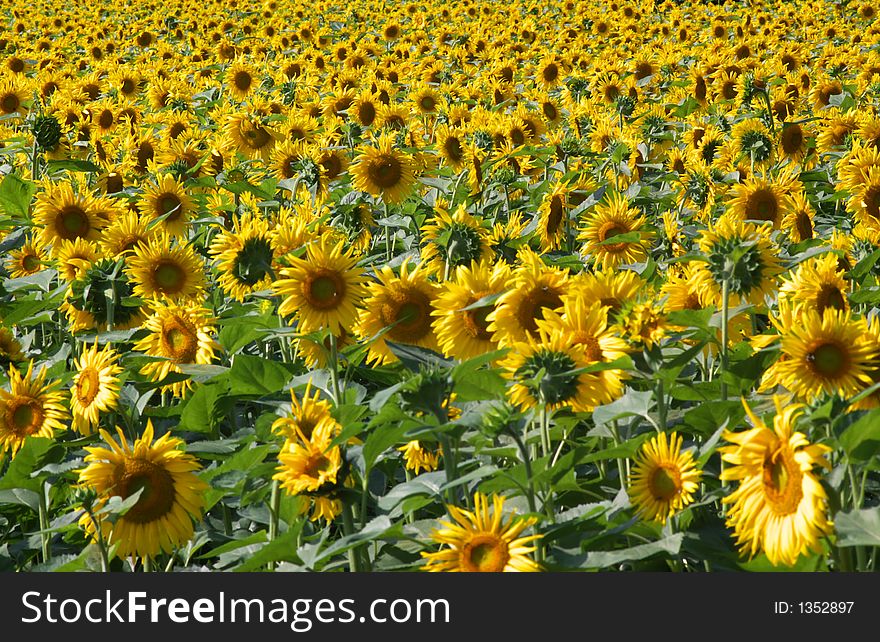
410, 514
44, 522
725, 295
661, 405
147, 565
334, 371
348, 529
102, 545
274, 509
35, 161
621, 470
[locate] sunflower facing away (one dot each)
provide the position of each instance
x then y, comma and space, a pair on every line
245, 257
171, 493
95, 387
30, 408
664, 479
779, 506
482, 541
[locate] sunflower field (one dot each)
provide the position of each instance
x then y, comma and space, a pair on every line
458, 285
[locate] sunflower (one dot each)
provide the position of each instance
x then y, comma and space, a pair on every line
324, 289
553, 217
450, 241
303, 416
95, 387
313, 468
586, 327
171, 493
533, 287
167, 204
400, 308
64, 214
178, 335
817, 284
124, 234
384, 172
799, 219
251, 135
664, 479
794, 141
779, 506
643, 323
30, 408
245, 256
482, 541
26, 260
463, 331
10, 348
451, 146
165, 269
241, 79
610, 219
417, 458
760, 199
12, 98
823, 353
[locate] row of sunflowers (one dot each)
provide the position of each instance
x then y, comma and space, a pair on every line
443, 286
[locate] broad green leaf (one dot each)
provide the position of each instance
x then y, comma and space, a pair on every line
861, 440
16, 195
251, 375
858, 527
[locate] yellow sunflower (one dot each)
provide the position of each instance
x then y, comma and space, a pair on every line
165, 269
178, 335
383, 171
461, 332
779, 506
167, 204
324, 289
817, 284
761, 200
10, 348
95, 387
303, 416
251, 135
400, 308
664, 479
482, 541
418, 458
450, 241
63, 214
26, 260
30, 408
612, 218
171, 493
553, 217
245, 256
124, 234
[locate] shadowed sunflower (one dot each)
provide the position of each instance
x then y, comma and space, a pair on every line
534, 287
245, 256
95, 387
167, 204
402, 307
303, 416
417, 458
324, 289
30, 408
251, 136
75, 257
612, 234
165, 269
664, 479
10, 348
553, 217
461, 332
760, 199
799, 218
817, 284
124, 234
178, 335
828, 353
482, 541
171, 493
779, 507
451, 146
384, 172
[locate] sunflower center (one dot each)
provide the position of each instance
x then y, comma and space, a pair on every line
181, 343
386, 171
409, 314
871, 202
484, 553
74, 223
157, 486
555, 216
325, 289
9, 103
87, 386
475, 322
665, 483
242, 81
762, 206
169, 277
792, 139
169, 204
533, 305
610, 230
592, 349
804, 225
331, 164
452, 147
830, 296
257, 137
30, 262
782, 481
26, 417
317, 465
828, 360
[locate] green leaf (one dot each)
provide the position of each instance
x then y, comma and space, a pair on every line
30, 458
378, 527
281, 549
861, 440
858, 527
414, 357
21, 496
72, 166
634, 402
16, 195
201, 412
251, 375
243, 461
605, 559
380, 439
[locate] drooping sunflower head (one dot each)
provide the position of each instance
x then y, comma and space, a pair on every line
664, 478
799, 219
310, 466
779, 507
171, 495
324, 289
482, 541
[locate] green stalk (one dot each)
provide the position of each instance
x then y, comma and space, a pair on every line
334, 372
621, 469
44, 522
661, 405
348, 529
546, 446
725, 295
